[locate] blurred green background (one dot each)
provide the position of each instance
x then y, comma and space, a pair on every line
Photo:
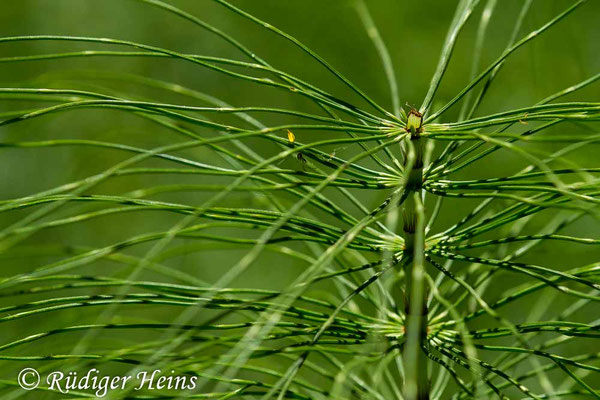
413, 31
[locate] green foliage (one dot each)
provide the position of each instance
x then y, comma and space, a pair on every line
412, 274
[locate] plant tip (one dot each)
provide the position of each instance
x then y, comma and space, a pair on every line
414, 121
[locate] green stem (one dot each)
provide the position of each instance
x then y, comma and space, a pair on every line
416, 383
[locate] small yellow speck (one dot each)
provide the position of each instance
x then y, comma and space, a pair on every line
291, 136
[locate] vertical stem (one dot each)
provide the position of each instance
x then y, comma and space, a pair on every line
416, 384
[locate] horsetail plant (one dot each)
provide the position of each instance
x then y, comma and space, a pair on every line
361, 252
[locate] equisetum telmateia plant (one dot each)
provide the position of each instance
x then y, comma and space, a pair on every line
357, 252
